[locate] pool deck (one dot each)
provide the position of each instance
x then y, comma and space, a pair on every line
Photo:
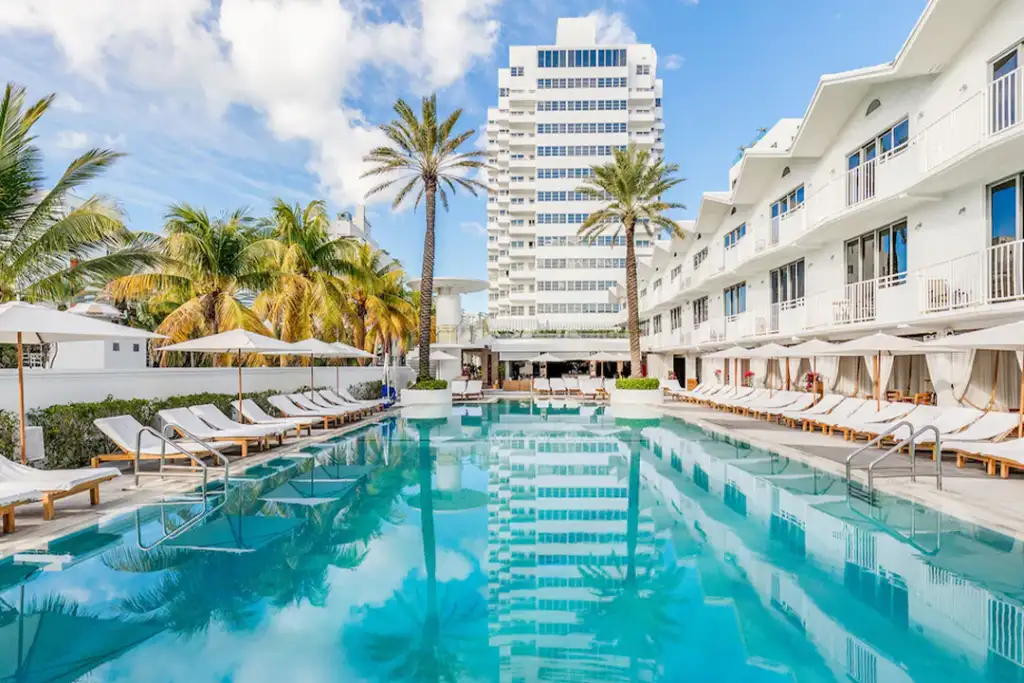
968, 494
120, 496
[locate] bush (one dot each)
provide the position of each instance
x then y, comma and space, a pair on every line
9, 435
637, 383
71, 439
430, 385
366, 391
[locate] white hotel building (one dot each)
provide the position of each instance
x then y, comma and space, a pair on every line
895, 203
562, 109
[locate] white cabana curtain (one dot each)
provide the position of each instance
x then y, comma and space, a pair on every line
798, 369
760, 368
778, 373
910, 374
995, 381
847, 380
951, 375
828, 368
884, 373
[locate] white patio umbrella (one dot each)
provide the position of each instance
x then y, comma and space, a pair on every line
545, 358
608, 357
22, 323
353, 352
95, 308
435, 356
314, 348
878, 344
811, 348
1008, 337
233, 341
768, 351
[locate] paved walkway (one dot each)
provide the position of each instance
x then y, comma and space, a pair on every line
120, 496
968, 494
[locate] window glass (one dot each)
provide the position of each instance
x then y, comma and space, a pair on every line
899, 250
867, 256
852, 262
853, 161
884, 249
1004, 65
800, 195
901, 133
1003, 207
775, 286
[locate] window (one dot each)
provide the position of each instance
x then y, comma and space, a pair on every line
643, 69
860, 176
700, 311
581, 105
645, 328
879, 254
735, 235
1004, 211
518, 71
676, 272
575, 83
116, 346
656, 285
547, 59
1003, 91
781, 209
788, 285
657, 101
735, 299
675, 318
502, 92
135, 348
656, 324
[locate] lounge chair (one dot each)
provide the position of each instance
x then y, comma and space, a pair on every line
917, 416
572, 384
55, 484
124, 430
791, 416
252, 412
775, 399
11, 496
474, 389
1006, 454
843, 412
722, 391
330, 400
288, 408
184, 420
993, 426
873, 422
589, 387
798, 400
212, 415
458, 388
541, 385
558, 386
742, 395
340, 412
345, 394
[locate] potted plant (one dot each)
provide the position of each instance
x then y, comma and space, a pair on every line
427, 392
637, 390
812, 382
748, 378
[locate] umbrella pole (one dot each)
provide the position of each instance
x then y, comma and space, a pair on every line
771, 374
21, 400
239, 356
878, 389
1020, 410
814, 380
337, 377
310, 377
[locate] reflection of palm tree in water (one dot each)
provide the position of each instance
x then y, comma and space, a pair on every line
433, 633
634, 612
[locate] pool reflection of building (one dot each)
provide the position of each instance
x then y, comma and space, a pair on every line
558, 505
792, 534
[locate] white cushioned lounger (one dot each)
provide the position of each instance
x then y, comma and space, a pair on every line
252, 412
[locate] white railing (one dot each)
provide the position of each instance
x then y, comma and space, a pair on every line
787, 317
1004, 99
888, 299
860, 182
986, 277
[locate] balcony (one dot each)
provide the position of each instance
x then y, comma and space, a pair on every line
973, 282
888, 300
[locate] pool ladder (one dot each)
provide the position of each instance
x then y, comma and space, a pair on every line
854, 488
198, 468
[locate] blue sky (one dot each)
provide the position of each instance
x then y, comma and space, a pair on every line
227, 103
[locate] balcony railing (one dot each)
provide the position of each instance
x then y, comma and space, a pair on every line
1004, 97
986, 277
863, 302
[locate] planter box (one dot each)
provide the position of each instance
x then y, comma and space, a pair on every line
638, 397
426, 397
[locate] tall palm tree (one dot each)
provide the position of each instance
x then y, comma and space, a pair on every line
52, 242
304, 291
631, 188
422, 161
209, 264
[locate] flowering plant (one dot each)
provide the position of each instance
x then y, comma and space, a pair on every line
748, 378
811, 380
718, 374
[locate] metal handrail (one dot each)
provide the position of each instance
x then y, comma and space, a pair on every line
189, 436
913, 457
876, 440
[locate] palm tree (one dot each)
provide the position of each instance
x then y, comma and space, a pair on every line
423, 161
51, 242
631, 188
379, 306
209, 264
304, 291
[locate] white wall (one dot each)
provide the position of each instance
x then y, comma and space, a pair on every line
97, 355
52, 387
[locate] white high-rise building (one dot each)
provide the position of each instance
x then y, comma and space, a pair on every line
561, 110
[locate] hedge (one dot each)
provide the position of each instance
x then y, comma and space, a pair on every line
637, 383
71, 438
430, 385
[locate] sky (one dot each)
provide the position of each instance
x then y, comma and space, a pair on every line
231, 103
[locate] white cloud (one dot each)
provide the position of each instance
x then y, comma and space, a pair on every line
673, 62
118, 141
72, 139
613, 29
69, 103
473, 228
297, 63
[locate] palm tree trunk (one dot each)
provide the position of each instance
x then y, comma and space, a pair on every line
427, 282
632, 306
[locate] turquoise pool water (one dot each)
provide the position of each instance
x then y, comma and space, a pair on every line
521, 542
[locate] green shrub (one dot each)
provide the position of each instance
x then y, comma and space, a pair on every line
430, 385
366, 391
637, 383
8, 434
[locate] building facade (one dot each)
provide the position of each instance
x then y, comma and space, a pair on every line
562, 109
894, 204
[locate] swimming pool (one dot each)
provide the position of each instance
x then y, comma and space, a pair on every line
521, 541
